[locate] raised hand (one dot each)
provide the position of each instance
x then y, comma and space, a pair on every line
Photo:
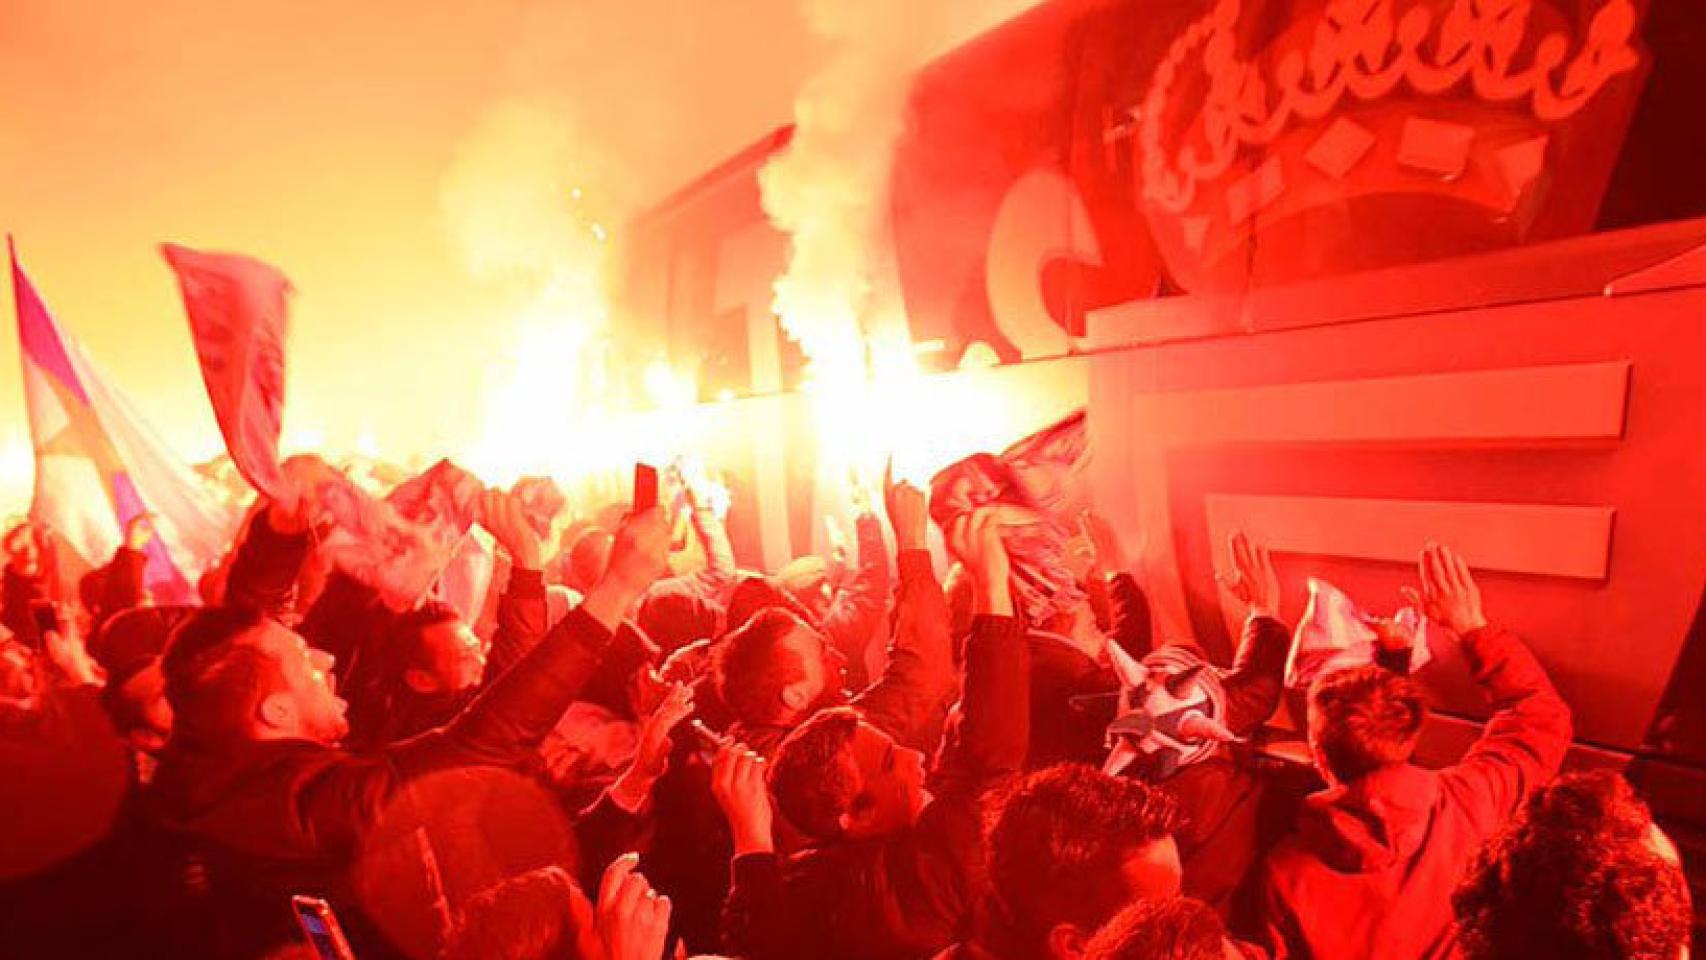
703, 493
737, 781
139, 532
1253, 579
909, 511
1449, 594
632, 920
505, 517
651, 757
639, 555
859, 493
687, 664
975, 538
300, 510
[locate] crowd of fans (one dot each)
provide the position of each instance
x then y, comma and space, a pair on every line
625, 757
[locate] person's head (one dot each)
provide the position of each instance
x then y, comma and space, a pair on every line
1582, 874
538, 915
138, 707
777, 670
754, 594
807, 581
587, 556
128, 647
1170, 928
676, 618
1361, 720
1176, 716
436, 653
234, 674
1070, 846
838, 776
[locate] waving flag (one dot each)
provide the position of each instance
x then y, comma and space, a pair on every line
1039, 482
98, 465
238, 310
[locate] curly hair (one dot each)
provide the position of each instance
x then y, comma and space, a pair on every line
1173, 928
1058, 839
213, 682
525, 917
812, 778
1574, 878
1364, 719
753, 665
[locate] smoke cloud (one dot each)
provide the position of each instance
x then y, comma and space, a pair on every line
602, 111
829, 189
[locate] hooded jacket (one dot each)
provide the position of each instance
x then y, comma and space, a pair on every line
1370, 867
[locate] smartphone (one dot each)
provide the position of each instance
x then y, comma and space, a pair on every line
645, 487
320, 926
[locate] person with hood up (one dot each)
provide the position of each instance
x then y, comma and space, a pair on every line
1370, 867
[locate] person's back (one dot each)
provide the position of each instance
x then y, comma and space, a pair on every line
1369, 869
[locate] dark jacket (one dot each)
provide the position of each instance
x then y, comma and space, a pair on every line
855, 613
114, 588
910, 702
907, 894
1221, 796
1072, 694
1370, 868
269, 819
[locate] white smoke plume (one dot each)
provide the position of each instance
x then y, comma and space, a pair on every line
829, 189
602, 109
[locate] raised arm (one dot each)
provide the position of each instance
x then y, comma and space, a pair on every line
1257, 678
995, 724
911, 699
1130, 623
509, 717
856, 612
522, 614
758, 920
269, 559
1526, 737
513, 713
122, 587
710, 506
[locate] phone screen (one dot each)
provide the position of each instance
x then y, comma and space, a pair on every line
645, 487
320, 927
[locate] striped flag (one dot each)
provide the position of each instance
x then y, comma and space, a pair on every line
98, 465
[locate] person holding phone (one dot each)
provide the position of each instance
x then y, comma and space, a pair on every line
255, 785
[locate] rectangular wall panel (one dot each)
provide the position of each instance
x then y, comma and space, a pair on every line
1540, 539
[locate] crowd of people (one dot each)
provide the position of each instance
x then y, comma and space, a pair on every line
629, 756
